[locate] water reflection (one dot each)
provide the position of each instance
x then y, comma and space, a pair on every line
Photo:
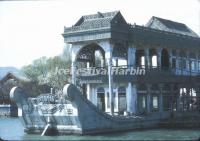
12, 129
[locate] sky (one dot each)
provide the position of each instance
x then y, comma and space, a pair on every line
31, 29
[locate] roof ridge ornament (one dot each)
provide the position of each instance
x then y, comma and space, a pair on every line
100, 15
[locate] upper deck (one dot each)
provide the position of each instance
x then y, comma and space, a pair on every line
112, 26
167, 50
126, 74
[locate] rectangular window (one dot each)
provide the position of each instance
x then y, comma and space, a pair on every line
114, 62
154, 61
114, 100
155, 103
108, 100
198, 65
143, 102
142, 62
193, 65
122, 62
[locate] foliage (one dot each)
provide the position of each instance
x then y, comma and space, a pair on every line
44, 70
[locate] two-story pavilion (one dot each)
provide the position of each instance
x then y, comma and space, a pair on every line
168, 51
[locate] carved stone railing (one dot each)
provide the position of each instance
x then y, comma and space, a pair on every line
152, 74
148, 71
84, 28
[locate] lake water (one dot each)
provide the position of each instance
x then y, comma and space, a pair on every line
12, 129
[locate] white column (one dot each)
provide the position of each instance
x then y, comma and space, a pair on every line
134, 103
73, 67
147, 62
149, 98
110, 82
110, 78
131, 56
159, 50
131, 98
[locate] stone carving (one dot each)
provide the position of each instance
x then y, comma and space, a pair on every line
46, 99
48, 108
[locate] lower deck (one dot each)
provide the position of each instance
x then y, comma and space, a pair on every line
142, 99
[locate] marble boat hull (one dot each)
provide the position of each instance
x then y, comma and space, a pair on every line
74, 114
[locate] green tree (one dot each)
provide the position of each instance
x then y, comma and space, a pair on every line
36, 69
44, 70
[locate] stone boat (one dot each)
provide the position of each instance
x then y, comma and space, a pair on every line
123, 77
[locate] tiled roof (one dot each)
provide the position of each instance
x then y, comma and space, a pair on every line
156, 36
170, 26
100, 15
174, 25
103, 22
157, 30
99, 20
10, 75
